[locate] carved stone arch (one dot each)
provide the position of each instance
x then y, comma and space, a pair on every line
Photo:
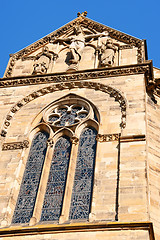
94, 107
67, 99
62, 132
67, 85
73, 99
40, 127
87, 123
73, 95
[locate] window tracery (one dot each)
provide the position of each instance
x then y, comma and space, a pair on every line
65, 119
67, 115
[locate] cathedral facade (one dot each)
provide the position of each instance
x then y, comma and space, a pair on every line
80, 112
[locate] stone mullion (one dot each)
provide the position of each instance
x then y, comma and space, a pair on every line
69, 182
42, 187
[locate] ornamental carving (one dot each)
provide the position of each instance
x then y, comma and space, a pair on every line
74, 140
94, 27
126, 46
67, 115
15, 145
107, 50
82, 75
43, 60
69, 85
107, 137
50, 142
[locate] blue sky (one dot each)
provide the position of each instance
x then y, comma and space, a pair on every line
23, 22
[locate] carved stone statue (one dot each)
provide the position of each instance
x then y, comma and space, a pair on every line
43, 60
77, 43
40, 68
107, 52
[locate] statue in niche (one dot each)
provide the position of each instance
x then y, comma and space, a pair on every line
77, 42
43, 60
107, 50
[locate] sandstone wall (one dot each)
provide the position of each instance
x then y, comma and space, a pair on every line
153, 156
120, 183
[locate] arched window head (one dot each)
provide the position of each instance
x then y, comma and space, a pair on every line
83, 181
66, 120
69, 112
31, 178
56, 181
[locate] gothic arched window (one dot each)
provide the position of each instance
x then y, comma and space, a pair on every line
31, 178
83, 180
66, 120
53, 200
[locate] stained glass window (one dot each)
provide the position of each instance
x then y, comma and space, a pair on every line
82, 189
67, 115
30, 183
56, 182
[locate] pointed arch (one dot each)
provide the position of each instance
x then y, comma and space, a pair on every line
68, 85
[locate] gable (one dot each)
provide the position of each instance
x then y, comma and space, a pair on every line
66, 50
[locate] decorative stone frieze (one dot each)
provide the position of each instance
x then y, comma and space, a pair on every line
68, 85
127, 46
108, 137
15, 145
81, 75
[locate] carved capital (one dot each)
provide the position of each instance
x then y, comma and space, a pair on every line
74, 140
50, 142
108, 137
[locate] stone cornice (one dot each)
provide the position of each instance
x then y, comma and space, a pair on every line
132, 138
117, 137
80, 227
145, 68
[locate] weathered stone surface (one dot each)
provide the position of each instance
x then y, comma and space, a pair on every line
127, 169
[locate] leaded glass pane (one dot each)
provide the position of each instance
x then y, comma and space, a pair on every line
82, 189
56, 181
29, 187
67, 115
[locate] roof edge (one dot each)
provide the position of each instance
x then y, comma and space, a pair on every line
85, 22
